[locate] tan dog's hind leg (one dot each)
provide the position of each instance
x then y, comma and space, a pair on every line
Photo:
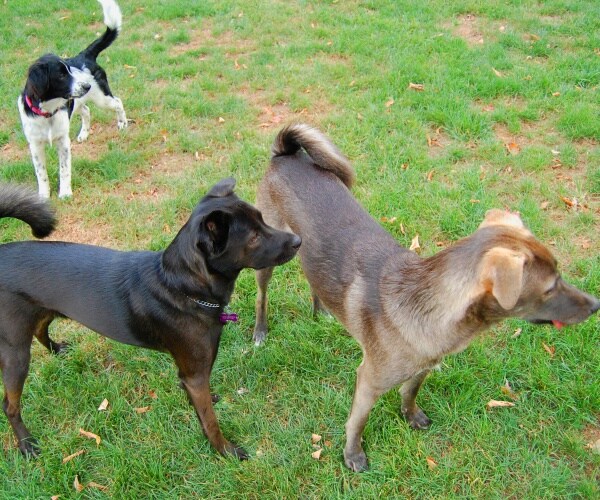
263, 276
412, 413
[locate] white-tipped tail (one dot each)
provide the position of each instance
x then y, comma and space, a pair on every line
112, 14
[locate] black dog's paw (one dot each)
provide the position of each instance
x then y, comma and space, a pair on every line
236, 451
29, 447
59, 347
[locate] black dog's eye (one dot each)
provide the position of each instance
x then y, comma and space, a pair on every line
254, 239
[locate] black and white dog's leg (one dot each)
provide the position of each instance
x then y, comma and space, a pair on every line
108, 101
117, 105
38, 156
84, 112
63, 145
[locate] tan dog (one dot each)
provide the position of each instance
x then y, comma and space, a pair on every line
406, 312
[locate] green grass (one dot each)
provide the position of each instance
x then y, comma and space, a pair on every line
207, 85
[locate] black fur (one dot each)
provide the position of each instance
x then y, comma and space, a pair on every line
146, 299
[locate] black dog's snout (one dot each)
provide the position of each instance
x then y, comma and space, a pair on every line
296, 242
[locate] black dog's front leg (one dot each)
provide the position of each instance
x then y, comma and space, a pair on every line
198, 390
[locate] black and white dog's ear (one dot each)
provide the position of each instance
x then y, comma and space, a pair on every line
38, 80
222, 188
214, 232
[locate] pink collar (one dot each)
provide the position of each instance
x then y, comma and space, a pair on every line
35, 109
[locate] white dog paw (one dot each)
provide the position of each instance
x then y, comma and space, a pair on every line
82, 136
63, 195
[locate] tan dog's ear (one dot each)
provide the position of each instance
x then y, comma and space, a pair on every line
502, 275
497, 217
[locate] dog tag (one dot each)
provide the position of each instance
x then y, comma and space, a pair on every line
225, 317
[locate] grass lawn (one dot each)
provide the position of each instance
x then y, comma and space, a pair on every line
446, 109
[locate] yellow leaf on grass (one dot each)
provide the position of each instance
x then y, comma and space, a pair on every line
77, 485
72, 456
101, 487
389, 103
497, 73
492, 403
315, 438
414, 245
143, 409
431, 463
90, 435
317, 454
104, 405
513, 148
549, 349
416, 86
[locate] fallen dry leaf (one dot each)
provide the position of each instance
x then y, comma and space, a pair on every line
430, 175
54, 497
77, 485
544, 205
221, 119
506, 389
414, 245
317, 454
595, 447
416, 86
143, 409
497, 73
152, 394
389, 103
492, 403
104, 405
513, 148
518, 332
431, 463
90, 435
549, 349
556, 94
92, 484
315, 438
72, 456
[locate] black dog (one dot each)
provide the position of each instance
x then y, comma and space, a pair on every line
170, 301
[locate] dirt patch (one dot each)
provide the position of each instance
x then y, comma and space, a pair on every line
205, 37
468, 28
591, 435
74, 228
437, 142
273, 114
12, 152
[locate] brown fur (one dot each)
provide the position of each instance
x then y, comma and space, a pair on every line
406, 312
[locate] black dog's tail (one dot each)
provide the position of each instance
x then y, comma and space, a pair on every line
113, 20
320, 149
24, 204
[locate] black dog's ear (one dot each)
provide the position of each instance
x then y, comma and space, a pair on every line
214, 232
38, 80
222, 188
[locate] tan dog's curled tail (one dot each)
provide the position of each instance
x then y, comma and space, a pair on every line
320, 149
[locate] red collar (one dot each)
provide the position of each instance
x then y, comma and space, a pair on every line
35, 109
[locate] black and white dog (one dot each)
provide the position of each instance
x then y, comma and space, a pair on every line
55, 89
